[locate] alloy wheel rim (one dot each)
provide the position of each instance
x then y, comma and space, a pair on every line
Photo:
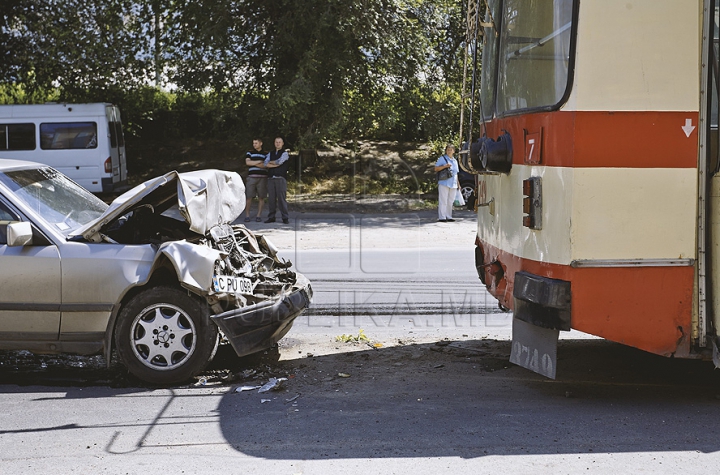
163, 337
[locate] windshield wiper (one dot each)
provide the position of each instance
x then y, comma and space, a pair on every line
541, 41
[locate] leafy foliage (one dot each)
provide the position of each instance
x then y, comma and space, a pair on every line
312, 70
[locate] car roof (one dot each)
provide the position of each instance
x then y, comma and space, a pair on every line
7, 164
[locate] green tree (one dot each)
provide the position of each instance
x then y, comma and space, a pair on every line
312, 70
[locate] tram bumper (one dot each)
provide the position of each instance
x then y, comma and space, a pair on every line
541, 310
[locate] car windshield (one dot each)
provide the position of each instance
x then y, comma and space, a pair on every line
54, 197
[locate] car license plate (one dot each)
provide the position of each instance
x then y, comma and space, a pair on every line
234, 285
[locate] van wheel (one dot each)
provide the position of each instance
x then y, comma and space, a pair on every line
164, 336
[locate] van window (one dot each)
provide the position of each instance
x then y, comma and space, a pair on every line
17, 136
116, 135
68, 135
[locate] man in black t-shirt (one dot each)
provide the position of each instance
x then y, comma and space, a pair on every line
257, 179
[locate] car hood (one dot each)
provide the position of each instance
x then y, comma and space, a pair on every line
205, 198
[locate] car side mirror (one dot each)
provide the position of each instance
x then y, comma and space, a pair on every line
19, 234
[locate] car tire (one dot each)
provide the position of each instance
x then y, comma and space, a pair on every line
467, 192
165, 336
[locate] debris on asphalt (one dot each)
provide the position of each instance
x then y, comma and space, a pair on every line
227, 376
263, 401
246, 388
274, 384
247, 373
294, 398
343, 375
438, 366
361, 336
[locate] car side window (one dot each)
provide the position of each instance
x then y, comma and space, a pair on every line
6, 217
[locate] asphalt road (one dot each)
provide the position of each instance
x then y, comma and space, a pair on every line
426, 387
399, 293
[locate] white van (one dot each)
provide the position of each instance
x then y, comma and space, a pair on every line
83, 141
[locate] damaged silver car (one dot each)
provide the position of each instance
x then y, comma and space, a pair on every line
160, 275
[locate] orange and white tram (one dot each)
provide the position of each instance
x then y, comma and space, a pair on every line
598, 173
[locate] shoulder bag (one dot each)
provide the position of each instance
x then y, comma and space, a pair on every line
445, 173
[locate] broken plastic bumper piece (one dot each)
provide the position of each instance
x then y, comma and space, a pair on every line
257, 327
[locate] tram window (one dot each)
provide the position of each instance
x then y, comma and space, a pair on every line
489, 59
715, 70
534, 53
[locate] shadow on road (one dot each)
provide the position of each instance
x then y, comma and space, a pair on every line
446, 399
465, 400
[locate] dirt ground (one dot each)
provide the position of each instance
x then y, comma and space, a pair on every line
322, 360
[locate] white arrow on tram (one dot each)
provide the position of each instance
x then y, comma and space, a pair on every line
688, 127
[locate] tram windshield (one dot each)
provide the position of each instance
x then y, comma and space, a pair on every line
526, 54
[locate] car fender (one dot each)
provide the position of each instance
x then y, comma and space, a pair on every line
192, 264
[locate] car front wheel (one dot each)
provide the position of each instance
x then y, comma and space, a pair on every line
164, 336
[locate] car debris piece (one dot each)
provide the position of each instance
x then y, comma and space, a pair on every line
246, 388
294, 398
263, 401
274, 384
246, 373
344, 375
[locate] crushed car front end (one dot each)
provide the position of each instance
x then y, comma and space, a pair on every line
254, 295
251, 294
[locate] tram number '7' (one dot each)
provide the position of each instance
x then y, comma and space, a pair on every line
532, 148
531, 359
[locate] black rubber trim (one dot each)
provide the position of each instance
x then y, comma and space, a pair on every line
480, 263
55, 307
542, 301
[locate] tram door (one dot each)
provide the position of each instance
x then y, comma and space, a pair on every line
709, 209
